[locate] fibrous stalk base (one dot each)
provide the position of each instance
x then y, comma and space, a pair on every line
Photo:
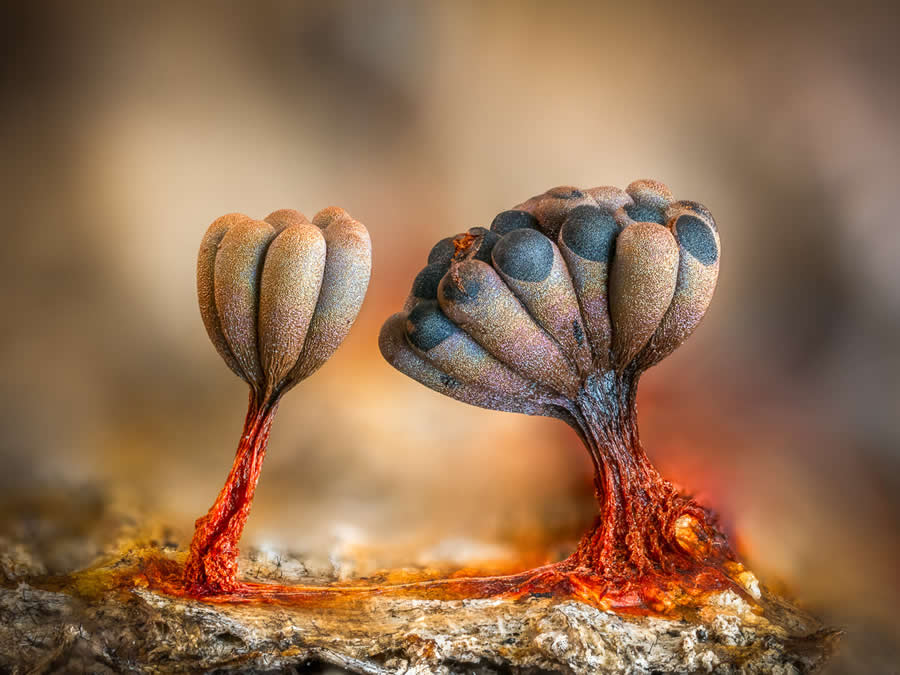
212, 563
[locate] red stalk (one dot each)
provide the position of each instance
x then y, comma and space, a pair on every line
212, 564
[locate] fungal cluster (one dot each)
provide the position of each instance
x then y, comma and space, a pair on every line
555, 310
277, 297
569, 284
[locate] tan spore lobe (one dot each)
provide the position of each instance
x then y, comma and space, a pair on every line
291, 280
698, 270
348, 266
238, 269
587, 242
455, 353
641, 286
206, 263
395, 348
550, 300
282, 218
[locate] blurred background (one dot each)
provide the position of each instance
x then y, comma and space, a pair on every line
127, 128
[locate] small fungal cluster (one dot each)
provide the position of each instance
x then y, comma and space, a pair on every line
277, 297
556, 310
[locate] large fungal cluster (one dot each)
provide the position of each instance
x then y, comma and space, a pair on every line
568, 284
278, 296
555, 310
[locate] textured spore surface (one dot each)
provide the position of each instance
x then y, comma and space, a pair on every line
591, 233
514, 219
697, 239
524, 254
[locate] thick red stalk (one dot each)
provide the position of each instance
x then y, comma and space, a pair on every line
635, 533
212, 564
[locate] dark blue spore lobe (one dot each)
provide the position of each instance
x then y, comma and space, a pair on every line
695, 237
487, 243
699, 209
590, 232
644, 213
451, 292
427, 327
507, 221
426, 282
442, 251
526, 255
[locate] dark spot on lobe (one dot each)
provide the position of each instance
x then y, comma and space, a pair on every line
442, 251
507, 221
696, 238
591, 233
486, 246
526, 255
699, 209
427, 326
644, 213
451, 292
426, 284
579, 333
449, 381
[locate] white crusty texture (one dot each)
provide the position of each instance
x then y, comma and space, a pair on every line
123, 630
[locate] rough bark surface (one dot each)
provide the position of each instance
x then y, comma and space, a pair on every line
105, 618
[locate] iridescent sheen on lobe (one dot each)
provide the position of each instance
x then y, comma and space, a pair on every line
482, 305
533, 268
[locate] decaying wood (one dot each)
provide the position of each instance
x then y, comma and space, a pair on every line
105, 617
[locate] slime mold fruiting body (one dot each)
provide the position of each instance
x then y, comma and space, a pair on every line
556, 310
277, 297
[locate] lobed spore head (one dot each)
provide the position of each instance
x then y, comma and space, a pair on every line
569, 284
279, 295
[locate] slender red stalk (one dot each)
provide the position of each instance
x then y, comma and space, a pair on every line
212, 563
